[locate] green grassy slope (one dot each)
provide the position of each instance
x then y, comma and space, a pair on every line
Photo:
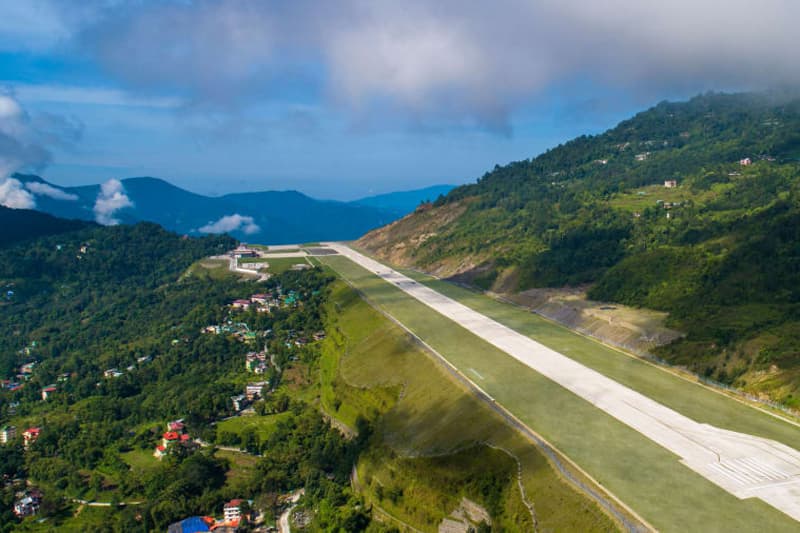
641, 473
436, 438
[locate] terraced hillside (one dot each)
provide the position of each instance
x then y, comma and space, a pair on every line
690, 208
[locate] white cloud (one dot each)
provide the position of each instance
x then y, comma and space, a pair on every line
89, 96
111, 199
19, 145
43, 189
13, 194
228, 223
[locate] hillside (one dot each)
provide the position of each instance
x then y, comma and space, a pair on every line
269, 216
23, 224
718, 251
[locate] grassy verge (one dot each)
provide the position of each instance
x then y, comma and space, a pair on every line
434, 435
644, 475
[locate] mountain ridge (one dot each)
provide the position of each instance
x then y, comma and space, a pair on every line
267, 216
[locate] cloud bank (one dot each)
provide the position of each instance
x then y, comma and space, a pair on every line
228, 223
431, 60
19, 147
14, 195
443, 58
111, 199
43, 189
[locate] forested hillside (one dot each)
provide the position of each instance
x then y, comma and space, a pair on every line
21, 224
719, 248
101, 345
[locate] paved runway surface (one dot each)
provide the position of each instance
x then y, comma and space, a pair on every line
744, 465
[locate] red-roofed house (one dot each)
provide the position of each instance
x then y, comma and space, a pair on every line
175, 425
47, 391
29, 436
170, 437
232, 511
160, 452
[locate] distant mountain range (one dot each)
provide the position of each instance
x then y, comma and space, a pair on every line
270, 216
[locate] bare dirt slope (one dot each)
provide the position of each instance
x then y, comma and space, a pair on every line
403, 242
636, 330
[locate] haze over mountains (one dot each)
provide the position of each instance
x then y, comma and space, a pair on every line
269, 216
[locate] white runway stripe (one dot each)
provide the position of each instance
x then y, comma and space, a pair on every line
728, 474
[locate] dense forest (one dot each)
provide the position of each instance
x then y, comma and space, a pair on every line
689, 207
21, 224
84, 303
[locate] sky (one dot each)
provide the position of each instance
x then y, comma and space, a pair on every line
351, 98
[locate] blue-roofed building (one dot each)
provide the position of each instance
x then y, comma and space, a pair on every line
193, 524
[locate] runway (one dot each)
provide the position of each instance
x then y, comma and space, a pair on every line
744, 465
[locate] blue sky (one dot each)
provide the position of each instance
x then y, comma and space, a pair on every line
346, 99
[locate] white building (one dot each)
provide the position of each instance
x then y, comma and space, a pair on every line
232, 511
253, 390
7, 434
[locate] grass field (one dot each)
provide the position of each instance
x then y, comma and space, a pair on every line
261, 425
434, 432
277, 265
141, 460
644, 475
210, 269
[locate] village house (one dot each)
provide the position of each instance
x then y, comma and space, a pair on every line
29, 436
10, 385
745, 162
48, 391
112, 373
670, 184
253, 391
160, 452
256, 362
239, 402
7, 434
642, 156
259, 299
243, 251
232, 511
27, 368
29, 504
193, 524
241, 304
